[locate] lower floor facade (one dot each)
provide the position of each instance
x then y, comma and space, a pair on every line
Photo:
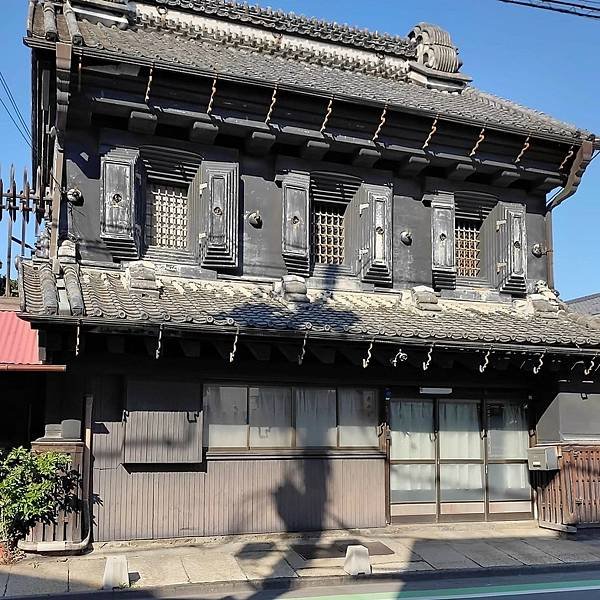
175, 457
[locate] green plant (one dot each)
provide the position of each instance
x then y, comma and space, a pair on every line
34, 487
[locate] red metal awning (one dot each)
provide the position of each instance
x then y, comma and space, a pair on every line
19, 350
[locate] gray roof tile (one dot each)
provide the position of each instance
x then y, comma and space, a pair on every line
189, 303
586, 304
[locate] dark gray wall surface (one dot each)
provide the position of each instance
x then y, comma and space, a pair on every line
260, 248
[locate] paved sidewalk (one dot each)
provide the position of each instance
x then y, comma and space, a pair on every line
290, 558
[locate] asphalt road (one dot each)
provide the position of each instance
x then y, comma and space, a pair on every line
569, 585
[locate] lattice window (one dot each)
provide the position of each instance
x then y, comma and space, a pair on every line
167, 216
328, 233
468, 249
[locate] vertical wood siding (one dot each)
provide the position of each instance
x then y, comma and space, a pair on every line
240, 496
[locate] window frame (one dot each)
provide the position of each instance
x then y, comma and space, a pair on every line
294, 447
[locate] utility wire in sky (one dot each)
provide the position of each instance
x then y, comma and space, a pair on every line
582, 8
14, 104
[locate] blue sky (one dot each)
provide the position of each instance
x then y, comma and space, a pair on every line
544, 60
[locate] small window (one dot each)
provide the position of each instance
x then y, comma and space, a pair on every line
328, 233
284, 417
166, 216
468, 248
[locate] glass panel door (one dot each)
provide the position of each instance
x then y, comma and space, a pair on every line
412, 460
461, 460
507, 474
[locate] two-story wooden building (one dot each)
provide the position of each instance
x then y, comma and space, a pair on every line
300, 273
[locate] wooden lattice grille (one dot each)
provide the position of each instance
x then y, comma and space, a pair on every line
328, 233
167, 216
468, 249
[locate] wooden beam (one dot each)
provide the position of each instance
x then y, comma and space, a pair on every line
325, 354
115, 344
290, 351
505, 178
260, 143
260, 350
460, 171
315, 150
366, 157
203, 132
413, 165
142, 122
190, 348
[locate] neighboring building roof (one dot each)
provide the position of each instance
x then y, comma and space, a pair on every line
204, 305
324, 69
586, 304
18, 341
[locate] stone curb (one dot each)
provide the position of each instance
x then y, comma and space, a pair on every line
185, 590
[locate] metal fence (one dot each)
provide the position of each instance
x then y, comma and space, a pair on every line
22, 213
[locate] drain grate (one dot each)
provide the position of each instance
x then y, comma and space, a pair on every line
337, 549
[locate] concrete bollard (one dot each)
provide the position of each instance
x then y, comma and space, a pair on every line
357, 561
116, 573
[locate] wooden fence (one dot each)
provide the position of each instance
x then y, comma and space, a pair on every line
22, 214
570, 497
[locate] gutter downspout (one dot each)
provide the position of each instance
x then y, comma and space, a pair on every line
67, 546
580, 163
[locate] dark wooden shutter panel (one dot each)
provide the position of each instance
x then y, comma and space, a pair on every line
163, 422
122, 206
375, 211
295, 246
511, 242
215, 194
443, 240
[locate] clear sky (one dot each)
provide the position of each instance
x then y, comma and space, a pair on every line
547, 61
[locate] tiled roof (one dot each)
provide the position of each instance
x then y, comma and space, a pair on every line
202, 304
586, 305
277, 20
326, 74
18, 341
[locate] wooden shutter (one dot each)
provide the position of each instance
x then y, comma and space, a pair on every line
511, 244
375, 213
442, 240
295, 246
122, 208
163, 422
214, 199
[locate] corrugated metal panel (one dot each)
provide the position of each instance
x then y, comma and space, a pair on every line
18, 341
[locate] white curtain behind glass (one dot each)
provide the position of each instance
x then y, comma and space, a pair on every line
358, 418
412, 483
315, 418
412, 430
461, 483
227, 414
460, 431
270, 416
507, 435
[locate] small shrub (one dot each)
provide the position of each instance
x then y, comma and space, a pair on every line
34, 487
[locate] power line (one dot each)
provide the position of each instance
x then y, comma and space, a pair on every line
14, 104
584, 8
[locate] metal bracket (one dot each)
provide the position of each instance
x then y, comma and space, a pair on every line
486, 362
478, 143
78, 339
568, 155
234, 348
427, 362
523, 150
303, 350
400, 356
367, 360
159, 342
431, 133
213, 93
381, 123
327, 115
148, 87
540, 364
272, 106
592, 366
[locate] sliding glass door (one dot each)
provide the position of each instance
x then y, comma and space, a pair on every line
458, 459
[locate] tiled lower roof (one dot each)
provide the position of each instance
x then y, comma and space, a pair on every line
179, 50
18, 341
586, 305
201, 304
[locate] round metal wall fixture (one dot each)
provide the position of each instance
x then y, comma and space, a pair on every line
538, 250
255, 219
406, 238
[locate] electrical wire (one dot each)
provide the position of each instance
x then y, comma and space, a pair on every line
590, 10
14, 104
